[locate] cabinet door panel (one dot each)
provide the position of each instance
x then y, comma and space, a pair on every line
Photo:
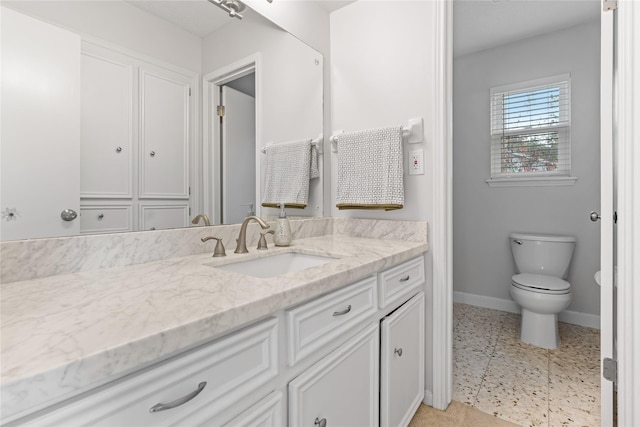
402, 359
106, 132
105, 218
342, 388
161, 217
164, 135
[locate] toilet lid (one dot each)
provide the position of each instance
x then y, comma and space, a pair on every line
540, 282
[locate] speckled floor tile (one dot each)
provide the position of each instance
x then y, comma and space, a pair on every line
567, 416
468, 372
459, 311
521, 383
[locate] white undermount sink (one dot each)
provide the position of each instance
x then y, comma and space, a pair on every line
275, 265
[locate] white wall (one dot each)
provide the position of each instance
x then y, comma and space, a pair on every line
382, 74
483, 217
122, 24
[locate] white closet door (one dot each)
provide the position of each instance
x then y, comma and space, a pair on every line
164, 134
107, 137
40, 128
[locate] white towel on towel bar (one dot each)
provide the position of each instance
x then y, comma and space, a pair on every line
286, 177
370, 173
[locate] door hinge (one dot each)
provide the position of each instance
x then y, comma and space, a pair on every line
189, 210
189, 190
610, 369
608, 5
220, 110
189, 91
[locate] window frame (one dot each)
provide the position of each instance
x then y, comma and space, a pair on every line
536, 178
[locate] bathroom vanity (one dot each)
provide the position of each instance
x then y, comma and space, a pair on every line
181, 341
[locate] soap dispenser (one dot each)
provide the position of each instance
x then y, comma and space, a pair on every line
282, 236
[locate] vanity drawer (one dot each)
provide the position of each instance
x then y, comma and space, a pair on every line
105, 218
313, 325
398, 283
224, 372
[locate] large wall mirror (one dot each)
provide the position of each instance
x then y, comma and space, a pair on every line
111, 118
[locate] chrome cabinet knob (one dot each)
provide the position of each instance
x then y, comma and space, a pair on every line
100, 216
152, 154
320, 422
68, 215
594, 216
118, 149
398, 351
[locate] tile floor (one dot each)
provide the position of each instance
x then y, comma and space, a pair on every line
495, 372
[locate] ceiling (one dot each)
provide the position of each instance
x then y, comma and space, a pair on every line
483, 24
200, 17
477, 24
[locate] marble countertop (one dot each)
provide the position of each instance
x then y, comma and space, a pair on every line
66, 333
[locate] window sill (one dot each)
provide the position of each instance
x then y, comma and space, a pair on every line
539, 181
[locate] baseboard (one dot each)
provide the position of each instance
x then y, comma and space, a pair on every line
510, 306
428, 398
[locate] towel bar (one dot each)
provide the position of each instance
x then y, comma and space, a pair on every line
315, 142
411, 134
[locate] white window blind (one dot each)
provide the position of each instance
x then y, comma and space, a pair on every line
530, 128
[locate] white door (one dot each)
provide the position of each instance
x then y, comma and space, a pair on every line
40, 128
238, 155
402, 363
342, 388
607, 226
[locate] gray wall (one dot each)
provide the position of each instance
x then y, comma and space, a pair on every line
484, 216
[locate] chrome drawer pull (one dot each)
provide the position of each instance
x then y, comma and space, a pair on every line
320, 422
404, 279
181, 401
343, 312
398, 351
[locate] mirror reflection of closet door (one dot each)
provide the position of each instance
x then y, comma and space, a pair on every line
238, 155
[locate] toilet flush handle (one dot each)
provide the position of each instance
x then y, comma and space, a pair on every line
518, 241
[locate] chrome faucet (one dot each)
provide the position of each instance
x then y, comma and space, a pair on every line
204, 217
241, 247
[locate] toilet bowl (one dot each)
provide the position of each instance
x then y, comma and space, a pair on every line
540, 298
542, 262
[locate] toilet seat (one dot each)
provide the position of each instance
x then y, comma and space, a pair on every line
540, 283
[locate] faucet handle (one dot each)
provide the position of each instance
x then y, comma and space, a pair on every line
262, 243
219, 250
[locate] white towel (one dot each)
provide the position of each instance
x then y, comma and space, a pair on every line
314, 170
286, 178
370, 173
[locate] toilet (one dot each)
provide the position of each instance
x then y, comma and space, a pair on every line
542, 263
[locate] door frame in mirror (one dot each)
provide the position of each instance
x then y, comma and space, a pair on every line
211, 165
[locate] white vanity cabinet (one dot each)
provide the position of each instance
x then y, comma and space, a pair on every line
341, 389
338, 359
402, 363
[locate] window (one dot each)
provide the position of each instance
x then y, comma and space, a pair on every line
530, 131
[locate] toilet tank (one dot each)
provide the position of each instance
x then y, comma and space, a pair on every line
542, 253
